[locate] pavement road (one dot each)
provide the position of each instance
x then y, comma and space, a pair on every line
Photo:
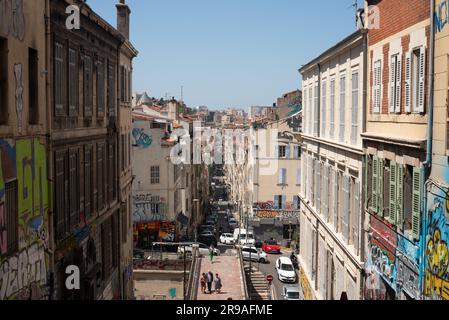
269, 268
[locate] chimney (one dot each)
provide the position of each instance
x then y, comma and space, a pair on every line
123, 13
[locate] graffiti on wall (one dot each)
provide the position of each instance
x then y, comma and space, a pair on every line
437, 254
383, 246
13, 18
18, 69
441, 15
141, 139
24, 274
305, 285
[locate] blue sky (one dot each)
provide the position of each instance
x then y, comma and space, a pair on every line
228, 53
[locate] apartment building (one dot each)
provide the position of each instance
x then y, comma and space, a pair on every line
85, 131
25, 182
436, 222
126, 56
332, 171
276, 179
395, 146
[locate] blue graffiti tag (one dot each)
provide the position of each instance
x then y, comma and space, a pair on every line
142, 139
442, 15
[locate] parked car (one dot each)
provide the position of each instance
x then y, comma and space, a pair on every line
138, 254
271, 246
203, 249
227, 238
285, 270
254, 254
208, 240
290, 293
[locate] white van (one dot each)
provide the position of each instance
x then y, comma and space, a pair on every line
244, 237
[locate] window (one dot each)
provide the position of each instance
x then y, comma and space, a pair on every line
111, 90
59, 79
61, 194
122, 84
280, 202
296, 203
106, 245
100, 88
74, 188
369, 181
298, 176
310, 111
282, 177
9, 221
88, 83
377, 86
122, 153
342, 107
316, 117
355, 108
154, 175
395, 83
3, 81
73, 82
115, 239
282, 151
385, 191
100, 179
156, 205
88, 181
33, 80
297, 152
124, 216
323, 108
408, 195
415, 80
332, 109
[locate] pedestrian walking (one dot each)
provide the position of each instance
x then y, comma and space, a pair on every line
210, 280
217, 283
203, 283
211, 253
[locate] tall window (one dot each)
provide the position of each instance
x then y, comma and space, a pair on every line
342, 107
310, 105
74, 188
316, 117
415, 65
282, 153
88, 181
355, 108
59, 79
282, 179
3, 81
323, 108
111, 90
61, 197
101, 162
395, 83
88, 83
332, 109
377, 86
100, 88
122, 84
33, 80
154, 175
73, 82
156, 205
9, 221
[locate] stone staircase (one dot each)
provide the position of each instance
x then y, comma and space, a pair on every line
257, 285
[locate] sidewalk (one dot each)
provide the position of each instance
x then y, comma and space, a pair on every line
228, 268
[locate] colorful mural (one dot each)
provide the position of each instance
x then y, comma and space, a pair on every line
141, 139
436, 252
24, 274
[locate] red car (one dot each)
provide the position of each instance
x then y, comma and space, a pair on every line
271, 246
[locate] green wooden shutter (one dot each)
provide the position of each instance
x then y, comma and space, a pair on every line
416, 202
400, 197
393, 187
380, 188
374, 202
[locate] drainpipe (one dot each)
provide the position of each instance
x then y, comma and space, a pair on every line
362, 194
428, 163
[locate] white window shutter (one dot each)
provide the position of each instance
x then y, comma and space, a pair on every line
398, 87
380, 188
356, 215
375, 87
284, 202
335, 195
345, 214
392, 83
408, 82
422, 79
284, 176
318, 186
325, 199
280, 177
